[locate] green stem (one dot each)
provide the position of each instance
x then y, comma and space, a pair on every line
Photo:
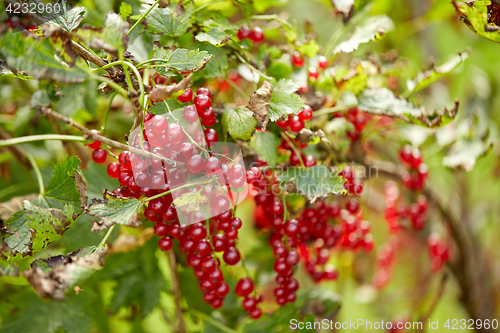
332, 109
212, 321
40, 137
105, 239
142, 17
16, 188
110, 82
237, 88
206, 5
285, 209
290, 143
252, 68
271, 17
178, 188
37, 173
107, 112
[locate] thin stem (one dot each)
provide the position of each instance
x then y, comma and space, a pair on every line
16, 188
332, 109
206, 5
212, 321
37, 173
290, 143
111, 83
107, 112
237, 88
252, 68
40, 137
271, 17
179, 188
207, 225
105, 239
285, 209
142, 17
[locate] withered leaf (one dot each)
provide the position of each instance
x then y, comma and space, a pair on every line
162, 92
259, 103
52, 277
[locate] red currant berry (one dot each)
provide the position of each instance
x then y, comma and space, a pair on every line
244, 287
186, 96
231, 256
222, 289
165, 244
161, 229
313, 73
296, 124
175, 133
113, 170
249, 303
322, 62
95, 144
204, 91
190, 113
243, 33
99, 155
297, 60
257, 35
306, 113
202, 102
211, 136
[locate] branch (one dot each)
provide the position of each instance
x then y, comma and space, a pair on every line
80, 50
181, 328
112, 143
15, 151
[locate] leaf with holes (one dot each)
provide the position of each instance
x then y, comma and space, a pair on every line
113, 209
36, 58
284, 100
170, 20
476, 15
315, 183
239, 122
53, 276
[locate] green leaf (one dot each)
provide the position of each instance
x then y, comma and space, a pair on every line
114, 210
188, 61
315, 183
261, 5
62, 187
279, 70
189, 201
10, 273
475, 15
284, 101
169, 21
76, 97
40, 98
218, 64
436, 72
214, 36
266, 145
310, 49
125, 10
464, 153
50, 317
239, 122
382, 101
373, 28
182, 60
137, 279
68, 18
36, 58
112, 38
53, 276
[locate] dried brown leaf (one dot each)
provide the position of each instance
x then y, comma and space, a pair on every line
259, 103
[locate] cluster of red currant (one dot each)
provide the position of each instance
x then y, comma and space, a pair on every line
313, 72
414, 179
439, 251
396, 211
244, 288
359, 119
384, 262
256, 34
296, 122
353, 185
202, 107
